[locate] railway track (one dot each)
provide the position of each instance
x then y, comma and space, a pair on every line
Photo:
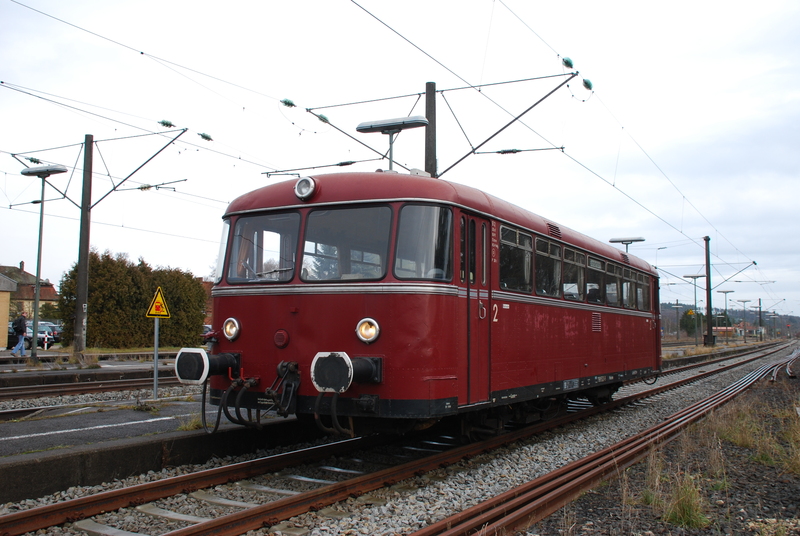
523, 506
100, 386
341, 484
82, 388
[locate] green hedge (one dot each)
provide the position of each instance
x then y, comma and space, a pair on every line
120, 293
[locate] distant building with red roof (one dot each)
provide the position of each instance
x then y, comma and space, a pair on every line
22, 299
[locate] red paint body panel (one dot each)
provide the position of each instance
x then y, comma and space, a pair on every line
417, 346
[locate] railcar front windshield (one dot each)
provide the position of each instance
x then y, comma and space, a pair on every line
264, 248
343, 244
346, 244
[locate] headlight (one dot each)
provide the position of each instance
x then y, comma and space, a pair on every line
304, 188
230, 328
368, 330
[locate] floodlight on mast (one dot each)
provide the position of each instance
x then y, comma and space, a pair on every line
392, 127
42, 172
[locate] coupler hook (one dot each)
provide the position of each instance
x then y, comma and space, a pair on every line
288, 380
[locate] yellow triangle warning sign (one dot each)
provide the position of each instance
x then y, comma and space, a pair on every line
158, 307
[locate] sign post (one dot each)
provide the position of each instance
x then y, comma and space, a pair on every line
158, 310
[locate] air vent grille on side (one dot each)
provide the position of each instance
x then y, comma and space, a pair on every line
626, 258
597, 322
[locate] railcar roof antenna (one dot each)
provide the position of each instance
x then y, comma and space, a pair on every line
392, 127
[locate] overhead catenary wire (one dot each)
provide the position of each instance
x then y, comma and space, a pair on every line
471, 86
76, 169
175, 64
128, 227
138, 51
32, 93
611, 183
486, 46
641, 148
515, 119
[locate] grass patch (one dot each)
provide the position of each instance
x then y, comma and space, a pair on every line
148, 408
30, 364
685, 506
721, 485
653, 489
83, 361
687, 483
142, 406
568, 522
187, 424
773, 434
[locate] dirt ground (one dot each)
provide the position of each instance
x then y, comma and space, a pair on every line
730, 489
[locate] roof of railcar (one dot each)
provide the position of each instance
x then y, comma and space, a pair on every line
389, 186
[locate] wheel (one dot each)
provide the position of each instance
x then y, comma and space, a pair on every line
27, 344
599, 400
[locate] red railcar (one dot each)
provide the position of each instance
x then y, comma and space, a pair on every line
383, 301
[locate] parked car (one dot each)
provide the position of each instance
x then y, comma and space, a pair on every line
45, 335
54, 330
46, 339
12, 337
207, 336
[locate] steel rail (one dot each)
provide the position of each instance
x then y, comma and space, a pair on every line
271, 513
527, 504
80, 388
75, 509
795, 355
719, 359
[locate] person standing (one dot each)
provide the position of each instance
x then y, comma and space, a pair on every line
20, 326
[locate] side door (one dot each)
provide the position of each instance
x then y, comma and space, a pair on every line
475, 278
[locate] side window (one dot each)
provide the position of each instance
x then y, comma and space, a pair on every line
515, 260
472, 251
643, 293
463, 250
424, 247
574, 274
223, 249
613, 284
484, 254
548, 268
629, 289
595, 281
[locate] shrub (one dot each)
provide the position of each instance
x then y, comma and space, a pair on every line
120, 293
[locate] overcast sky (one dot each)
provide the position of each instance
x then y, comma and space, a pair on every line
691, 129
